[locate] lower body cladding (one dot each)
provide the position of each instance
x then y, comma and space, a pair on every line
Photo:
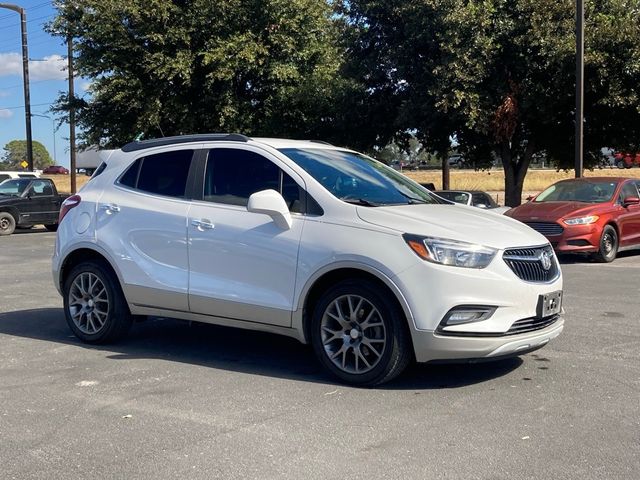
512, 316
430, 346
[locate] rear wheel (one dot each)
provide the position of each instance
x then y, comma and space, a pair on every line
7, 223
94, 305
359, 333
608, 245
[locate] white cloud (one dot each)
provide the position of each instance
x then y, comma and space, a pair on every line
85, 86
52, 67
4, 113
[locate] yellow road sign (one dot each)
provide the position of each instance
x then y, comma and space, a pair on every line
24, 164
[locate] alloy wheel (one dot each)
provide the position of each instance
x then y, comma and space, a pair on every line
353, 334
88, 303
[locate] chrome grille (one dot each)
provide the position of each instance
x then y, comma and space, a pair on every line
530, 324
546, 228
529, 263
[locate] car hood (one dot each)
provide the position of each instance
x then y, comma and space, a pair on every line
455, 222
553, 211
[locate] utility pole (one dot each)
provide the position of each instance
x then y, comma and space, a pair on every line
72, 118
25, 78
445, 171
579, 87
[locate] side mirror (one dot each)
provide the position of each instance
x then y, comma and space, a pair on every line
630, 201
271, 203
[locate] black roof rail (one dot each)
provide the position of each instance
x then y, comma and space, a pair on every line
204, 137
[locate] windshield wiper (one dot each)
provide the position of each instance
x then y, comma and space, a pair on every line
412, 200
360, 201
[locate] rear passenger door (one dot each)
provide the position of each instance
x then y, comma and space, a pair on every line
242, 265
142, 222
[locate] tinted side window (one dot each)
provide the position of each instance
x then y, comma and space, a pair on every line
233, 175
130, 177
628, 190
162, 174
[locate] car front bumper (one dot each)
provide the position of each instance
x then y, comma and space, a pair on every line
577, 238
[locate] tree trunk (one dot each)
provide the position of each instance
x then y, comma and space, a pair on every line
515, 171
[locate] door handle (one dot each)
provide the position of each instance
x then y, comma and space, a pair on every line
110, 208
203, 224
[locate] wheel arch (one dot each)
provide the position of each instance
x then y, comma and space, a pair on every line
330, 275
11, 211
83, 254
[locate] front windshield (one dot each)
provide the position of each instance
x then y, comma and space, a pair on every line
358, 179
458, 197
14, 187
579, 191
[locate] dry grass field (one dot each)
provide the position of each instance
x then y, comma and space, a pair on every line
493, 180
63, 182
488, 180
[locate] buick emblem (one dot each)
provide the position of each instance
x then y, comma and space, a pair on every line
545, 259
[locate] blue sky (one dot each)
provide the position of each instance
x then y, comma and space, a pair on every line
47, 75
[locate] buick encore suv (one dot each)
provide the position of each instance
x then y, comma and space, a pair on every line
304, 239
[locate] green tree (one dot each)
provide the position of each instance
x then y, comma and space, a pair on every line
16, 151
500, 75
159, 67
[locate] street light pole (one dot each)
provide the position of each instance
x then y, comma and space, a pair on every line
25, 77
53, 125
579, 87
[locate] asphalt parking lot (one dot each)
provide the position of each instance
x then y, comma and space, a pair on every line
196, 401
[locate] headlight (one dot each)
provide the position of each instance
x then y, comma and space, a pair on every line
582, 220
450, 252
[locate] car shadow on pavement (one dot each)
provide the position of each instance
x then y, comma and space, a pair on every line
238, 350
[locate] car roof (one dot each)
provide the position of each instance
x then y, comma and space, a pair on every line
598, 179
224, 137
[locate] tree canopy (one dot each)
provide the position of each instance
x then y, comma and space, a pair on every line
501, 75
497, 74
162, 67
16, 151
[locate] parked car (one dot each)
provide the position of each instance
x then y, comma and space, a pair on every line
303, 239
7, 175
26, 202
473, 198
626, 159
429, 186
55, 170
456, 160
600, 216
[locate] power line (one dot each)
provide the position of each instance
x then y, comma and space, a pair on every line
36, 7
22, 106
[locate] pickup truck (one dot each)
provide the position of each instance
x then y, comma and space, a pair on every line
25, 202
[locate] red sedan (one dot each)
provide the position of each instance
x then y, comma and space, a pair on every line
593, 215
55, 170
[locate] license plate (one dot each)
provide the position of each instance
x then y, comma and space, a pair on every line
550, 304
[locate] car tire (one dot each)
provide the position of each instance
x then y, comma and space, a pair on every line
360, 334
52, 227
608, 248
7, 223
94, 305
620, 164
459, 164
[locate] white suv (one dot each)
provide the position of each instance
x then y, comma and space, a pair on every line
303, 239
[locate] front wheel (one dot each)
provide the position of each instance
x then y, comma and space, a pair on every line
359, 333
608, 245
7, 223
94, 305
